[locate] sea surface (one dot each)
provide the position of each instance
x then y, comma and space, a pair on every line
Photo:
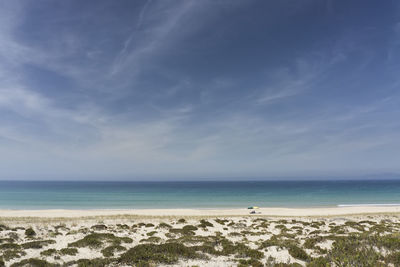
143, 195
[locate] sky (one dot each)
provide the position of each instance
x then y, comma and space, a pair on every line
188, 89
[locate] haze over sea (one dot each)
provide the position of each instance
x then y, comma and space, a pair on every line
206, 194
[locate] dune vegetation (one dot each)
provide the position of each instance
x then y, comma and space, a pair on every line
236, 241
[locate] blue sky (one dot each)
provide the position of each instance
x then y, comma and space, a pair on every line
193, 89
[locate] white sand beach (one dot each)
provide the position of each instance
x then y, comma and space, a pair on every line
301, 212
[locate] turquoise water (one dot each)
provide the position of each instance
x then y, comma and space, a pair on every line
127, 195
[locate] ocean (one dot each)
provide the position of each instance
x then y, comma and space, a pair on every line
218, 194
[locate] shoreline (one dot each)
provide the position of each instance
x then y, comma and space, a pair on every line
222, 212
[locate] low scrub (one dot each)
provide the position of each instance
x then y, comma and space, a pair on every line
13, 254
109, 251
38, 244
164, 226
69, 251
30, 232
205, 224
96, 240
168, 253
33, 262
298, 253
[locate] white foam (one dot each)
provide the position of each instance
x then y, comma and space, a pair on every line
368, 205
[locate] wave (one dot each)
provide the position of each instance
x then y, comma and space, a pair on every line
368, 205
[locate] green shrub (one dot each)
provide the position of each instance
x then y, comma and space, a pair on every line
30, 232
251, 262
311, 241
98, 262
289, 265
204, 224
353, 250
316, 232
278, 241
319, 262
33, 263
379, 229
151, 233
38, 244
194, 239
181, 231
221, 221
189, 228
393, 258
164, 225
69, 251
241, 250
252, 253
355, 226
123, 226
13, 254
9, 246
298, 253
96, 240
48, 252
390, 242
337, 230
109, 251
282, 227
230, 248
99, 227
61, 227
181, 220
168, 253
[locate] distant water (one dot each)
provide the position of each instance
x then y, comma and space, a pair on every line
128, 195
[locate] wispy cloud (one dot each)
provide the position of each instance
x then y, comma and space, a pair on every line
156, 35
147, 98
142, 14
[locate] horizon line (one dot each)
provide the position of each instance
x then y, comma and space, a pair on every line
211, 180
